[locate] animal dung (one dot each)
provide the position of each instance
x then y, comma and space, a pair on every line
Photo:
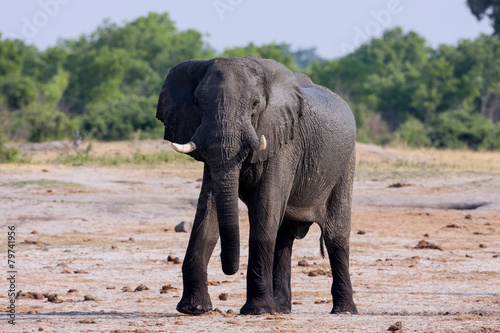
398, 185
141, 288
166, 288
398, 326
423, 244
303, 263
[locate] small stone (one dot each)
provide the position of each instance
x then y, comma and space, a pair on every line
126, 289
131, 239
40, 329
223, 297
178, 322
468, 256
398, 326
303, 263
89, 298
141, 288
34, 232
426, 235
468, 217
72, 291
184, 226
495, 256
87, 321
110, 287
113, 247
483, 246
361, 232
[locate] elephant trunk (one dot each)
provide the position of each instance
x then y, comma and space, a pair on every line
225, 190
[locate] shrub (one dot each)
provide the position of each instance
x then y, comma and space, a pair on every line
413, 133
118, 120
462, 129
47, 123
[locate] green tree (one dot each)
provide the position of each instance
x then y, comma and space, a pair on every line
279, 52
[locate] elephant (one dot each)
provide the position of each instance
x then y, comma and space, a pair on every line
284, 146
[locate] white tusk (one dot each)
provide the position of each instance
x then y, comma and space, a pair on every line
262, 146
185, 148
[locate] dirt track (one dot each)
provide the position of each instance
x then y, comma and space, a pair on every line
98, 230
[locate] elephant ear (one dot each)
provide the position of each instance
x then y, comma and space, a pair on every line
284, 102
176, 102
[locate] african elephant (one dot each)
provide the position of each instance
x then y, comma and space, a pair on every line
286, 148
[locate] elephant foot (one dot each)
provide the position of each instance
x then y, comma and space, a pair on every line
283, 309
193, 307
345, 308
258, 307
283, 305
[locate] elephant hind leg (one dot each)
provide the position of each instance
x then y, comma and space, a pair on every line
336, 233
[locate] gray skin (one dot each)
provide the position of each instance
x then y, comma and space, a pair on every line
304, 175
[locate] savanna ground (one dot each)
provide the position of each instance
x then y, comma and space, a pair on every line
95, 225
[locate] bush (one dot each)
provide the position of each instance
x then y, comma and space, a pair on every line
47, 123
463, 129
7, 154
413, 133
118, 120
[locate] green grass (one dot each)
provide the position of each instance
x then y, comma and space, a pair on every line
43, 183
151, 159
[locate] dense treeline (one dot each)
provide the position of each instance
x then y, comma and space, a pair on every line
106, 84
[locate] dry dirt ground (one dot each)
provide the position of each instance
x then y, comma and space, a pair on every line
87, 233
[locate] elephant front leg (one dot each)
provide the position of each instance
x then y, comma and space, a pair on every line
262, 244
204, 235
260, 298
282, 291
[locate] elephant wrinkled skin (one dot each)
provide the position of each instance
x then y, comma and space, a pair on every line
282, 144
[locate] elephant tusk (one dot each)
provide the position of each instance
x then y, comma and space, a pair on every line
185, 148
262, 145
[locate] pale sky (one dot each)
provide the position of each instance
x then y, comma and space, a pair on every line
332, 26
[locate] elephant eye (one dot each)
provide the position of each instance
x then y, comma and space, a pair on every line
255, 103
196, 103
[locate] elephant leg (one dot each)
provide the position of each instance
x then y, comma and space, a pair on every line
264, 219
282, 292
336, 233
204, 235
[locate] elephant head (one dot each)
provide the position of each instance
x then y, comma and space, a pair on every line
224, 112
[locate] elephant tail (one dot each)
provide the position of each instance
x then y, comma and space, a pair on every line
322, 245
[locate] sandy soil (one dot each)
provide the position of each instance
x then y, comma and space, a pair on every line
97, 230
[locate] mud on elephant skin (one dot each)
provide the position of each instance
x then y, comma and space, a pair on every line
282, 144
